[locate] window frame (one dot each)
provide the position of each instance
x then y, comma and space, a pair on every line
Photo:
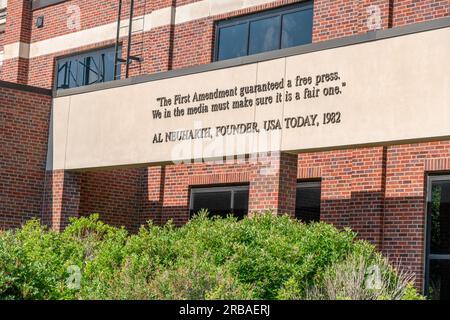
231, 188
83, 53
428, 256
247, 19
309, 184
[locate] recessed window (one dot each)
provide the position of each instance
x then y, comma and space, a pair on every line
220, 201
86, 69
307, 203
270, 30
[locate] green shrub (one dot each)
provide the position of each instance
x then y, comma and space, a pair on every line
266, 257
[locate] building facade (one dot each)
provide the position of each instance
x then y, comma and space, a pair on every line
392, 188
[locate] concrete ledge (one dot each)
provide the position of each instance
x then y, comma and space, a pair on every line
22, 87
272, 55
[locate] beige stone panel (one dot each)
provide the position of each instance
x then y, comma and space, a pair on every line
397, 89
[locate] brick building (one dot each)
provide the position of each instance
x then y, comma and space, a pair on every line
393, 190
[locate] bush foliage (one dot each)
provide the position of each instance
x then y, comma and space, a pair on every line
266, 257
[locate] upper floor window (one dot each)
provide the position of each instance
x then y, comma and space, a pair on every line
87, 68
270, 30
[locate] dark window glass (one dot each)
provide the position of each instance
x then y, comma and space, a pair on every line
264, 35
438, 238
307, 204
86, 69
234, 39
220, 201
297, 28
270, 30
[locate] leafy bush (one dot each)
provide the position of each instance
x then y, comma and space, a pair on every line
266, 257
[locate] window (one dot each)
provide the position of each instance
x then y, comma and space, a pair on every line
271, 30
85, 69
307, 202
437, 284
220, 201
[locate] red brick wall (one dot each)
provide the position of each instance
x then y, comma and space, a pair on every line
58, 18
24, 120
273, 184
379, 192
342, 18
